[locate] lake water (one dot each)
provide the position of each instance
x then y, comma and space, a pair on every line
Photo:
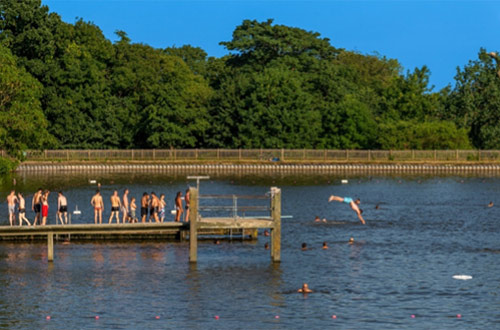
402, 263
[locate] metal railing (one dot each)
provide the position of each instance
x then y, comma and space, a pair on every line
263, 155
236, 209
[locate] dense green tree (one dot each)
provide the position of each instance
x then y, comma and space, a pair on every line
474, 103
22, 123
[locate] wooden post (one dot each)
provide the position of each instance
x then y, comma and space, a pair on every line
193, 224
154, 154
218, 154
479, 155
276, 231
347, 155
456, 155
50, 247
435, 154
239, 154
413, 154
282, 154
369, 155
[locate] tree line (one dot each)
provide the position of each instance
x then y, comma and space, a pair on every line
66, 86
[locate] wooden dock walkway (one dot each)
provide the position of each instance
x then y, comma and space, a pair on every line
197, 226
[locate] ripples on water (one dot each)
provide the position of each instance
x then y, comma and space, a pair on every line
425, 231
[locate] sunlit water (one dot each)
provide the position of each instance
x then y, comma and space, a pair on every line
425, 231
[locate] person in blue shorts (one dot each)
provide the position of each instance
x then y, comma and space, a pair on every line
353, 203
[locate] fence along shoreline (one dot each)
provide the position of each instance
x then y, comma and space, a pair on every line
263, 156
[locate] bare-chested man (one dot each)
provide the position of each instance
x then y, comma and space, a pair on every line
62, 208
115, 207
36, 205
11, 203
22, 210
353, 204
154, 204
98, 205
125, 206
178, 206
144, 207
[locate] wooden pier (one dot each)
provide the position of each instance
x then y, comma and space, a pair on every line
197, 225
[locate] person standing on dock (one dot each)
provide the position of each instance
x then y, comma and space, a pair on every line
178, 206
36, 206
125, 206
22, 210
98, 205
186, 200
144, 207
154, 203
11, 204
161, 206
45, 206
353, 204
62, 208
115, 207
133, 207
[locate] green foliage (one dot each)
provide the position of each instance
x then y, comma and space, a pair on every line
66, 85
425, 135
6, 166
22, 123
475, 101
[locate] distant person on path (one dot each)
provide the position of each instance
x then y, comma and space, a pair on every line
11, 204
22, 210
133, 208
154, 203
125, 206
115, 207
178, 206
36, 205
62, 208
187, 200
161, 206
45, 206
98, 205
144, 207
353, 204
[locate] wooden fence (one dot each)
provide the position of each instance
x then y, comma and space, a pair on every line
264, 155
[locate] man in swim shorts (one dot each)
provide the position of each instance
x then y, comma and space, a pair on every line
36, 206
62, 208
144, 207
22, 210
98, 205
353, 204
154, 203
11, 203
115, 207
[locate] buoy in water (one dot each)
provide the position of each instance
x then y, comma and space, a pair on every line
92, 181
344, 181
462, 277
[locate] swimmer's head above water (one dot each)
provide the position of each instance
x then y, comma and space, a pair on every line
351, 240
304, 289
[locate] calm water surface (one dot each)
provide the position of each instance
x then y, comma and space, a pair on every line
425, 231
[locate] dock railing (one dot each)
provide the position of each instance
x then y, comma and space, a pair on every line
263, 155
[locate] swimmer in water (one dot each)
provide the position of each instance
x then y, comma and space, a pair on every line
304, 289
352, 203
325, 246
317, 219
351, 240
324, 220
266, 233
266, 246
304, 246
490, 204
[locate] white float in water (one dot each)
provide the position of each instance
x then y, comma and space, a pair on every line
344, 181
77, 211
462, 277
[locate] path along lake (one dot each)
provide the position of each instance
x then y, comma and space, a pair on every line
426, 230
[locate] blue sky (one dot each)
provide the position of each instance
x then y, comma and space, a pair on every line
439, 34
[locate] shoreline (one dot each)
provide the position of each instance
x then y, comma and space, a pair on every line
439, 167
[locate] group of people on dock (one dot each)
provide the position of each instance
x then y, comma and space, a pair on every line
151, 205
39, 205
122, 208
